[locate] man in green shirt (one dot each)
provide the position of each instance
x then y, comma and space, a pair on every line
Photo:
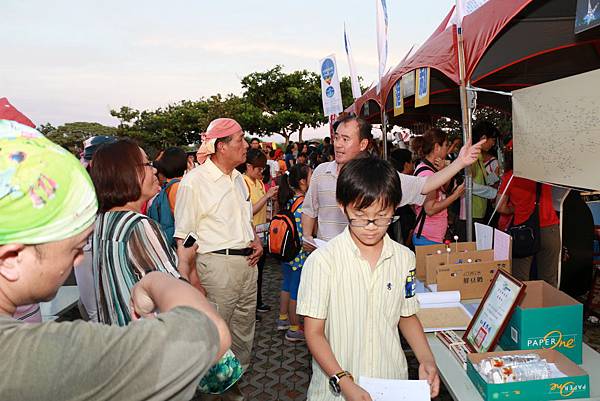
47, 209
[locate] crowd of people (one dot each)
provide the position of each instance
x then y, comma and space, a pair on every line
173, 252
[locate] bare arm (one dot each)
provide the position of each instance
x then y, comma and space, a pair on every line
308, 228
433, 206
186, 264
161, 291
314, 330
257, 207
467, 156
413, 332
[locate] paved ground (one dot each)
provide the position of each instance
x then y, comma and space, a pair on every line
281, 370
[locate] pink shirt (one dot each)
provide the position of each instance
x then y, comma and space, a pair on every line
435, 226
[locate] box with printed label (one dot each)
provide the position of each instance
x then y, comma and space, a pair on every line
575, 384
433, 262
422, 251
546, 318
471, 279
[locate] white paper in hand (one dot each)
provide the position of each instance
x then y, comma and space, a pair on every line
395, 390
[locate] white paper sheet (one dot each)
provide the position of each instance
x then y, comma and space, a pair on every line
437, 298
502, 243
396, 390
316, 242
484, 236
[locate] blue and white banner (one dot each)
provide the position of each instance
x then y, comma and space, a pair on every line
330, 86
356, 93
382, 38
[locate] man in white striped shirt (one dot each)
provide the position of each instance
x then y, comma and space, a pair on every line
352, 138
356, 291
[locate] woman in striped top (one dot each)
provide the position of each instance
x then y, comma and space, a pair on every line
126, 244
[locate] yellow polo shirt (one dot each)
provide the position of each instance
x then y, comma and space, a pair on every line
361, 307
216, 207
257, 191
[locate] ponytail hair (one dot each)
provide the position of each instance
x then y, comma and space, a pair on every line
290, 182
424, 145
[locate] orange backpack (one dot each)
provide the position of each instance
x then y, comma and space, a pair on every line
284, 239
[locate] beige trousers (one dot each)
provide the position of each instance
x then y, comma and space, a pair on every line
547, 258
231, 284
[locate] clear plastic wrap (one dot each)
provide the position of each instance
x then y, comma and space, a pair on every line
514, 368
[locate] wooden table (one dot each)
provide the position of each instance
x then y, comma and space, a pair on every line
462, 389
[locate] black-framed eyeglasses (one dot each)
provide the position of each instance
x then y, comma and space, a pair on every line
379, 222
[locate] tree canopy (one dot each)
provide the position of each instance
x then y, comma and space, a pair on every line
272, 102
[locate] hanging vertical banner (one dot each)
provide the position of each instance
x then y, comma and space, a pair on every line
422, 89
330, 87
408, 84
356, 93
398, 98
382, 38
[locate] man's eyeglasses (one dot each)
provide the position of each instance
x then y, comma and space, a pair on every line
379, 222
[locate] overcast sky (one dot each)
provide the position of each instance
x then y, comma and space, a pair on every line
67, 60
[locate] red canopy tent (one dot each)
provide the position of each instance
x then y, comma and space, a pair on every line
9, 112
508, 45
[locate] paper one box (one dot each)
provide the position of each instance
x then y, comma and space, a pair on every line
422, 251
575, 385
546, 318
435, 261
471, 279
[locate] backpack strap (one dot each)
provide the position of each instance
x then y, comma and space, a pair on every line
296, 204
420, 222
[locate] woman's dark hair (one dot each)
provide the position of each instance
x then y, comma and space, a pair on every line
399, 157
484, 128
424, 145
173, 162
117, 172
289, 148
366, 180
291, 181
256, 158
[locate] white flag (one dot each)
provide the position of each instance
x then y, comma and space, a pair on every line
464, 8
382, 36
353, 78
331, 93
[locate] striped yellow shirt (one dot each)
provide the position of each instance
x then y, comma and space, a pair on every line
362, 308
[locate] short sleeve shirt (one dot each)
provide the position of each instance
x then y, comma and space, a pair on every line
434, 227
157, 359
298, 261
521, 194
361, 308
216, 207
321, 203
257, 191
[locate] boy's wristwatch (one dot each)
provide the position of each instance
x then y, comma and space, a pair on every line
334, 381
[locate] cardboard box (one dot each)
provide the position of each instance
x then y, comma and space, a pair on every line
546, 318
422, 251
471, 279
433, 262
575, 385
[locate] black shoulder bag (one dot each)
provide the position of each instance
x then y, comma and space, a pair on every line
526, 236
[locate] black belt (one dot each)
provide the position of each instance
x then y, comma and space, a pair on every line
235, 252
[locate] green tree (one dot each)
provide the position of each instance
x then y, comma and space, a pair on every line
289, 102
71, 135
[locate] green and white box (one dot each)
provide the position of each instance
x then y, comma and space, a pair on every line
546, 318
576, 384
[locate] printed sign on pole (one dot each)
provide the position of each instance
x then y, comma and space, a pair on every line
330, 87
398, 98
422, 89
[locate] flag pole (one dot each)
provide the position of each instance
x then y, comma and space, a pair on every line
384, 130
466, 113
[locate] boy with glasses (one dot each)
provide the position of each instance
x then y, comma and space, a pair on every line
356, 292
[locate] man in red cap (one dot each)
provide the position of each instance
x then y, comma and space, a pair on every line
213, 203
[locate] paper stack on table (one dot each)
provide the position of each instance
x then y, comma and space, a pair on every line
396, 390
442, 311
